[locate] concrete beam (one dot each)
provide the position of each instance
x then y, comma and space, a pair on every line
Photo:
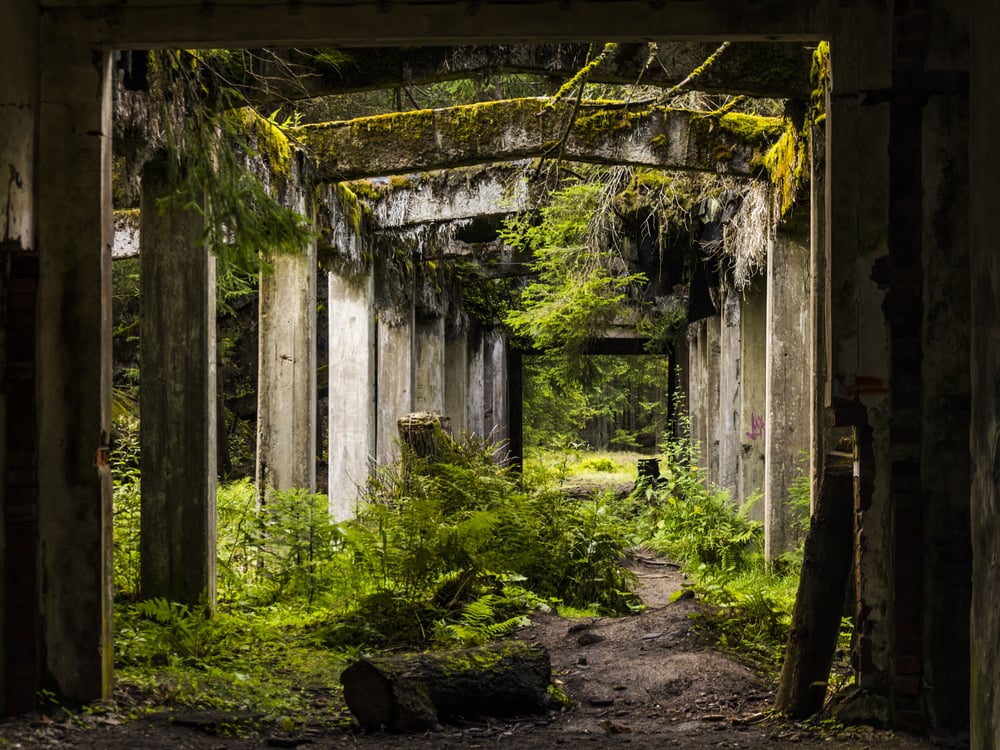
72, 194
761, 69
177, 400
515, 129
260, 23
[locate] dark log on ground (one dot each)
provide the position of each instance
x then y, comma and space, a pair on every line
415, 692
819, 604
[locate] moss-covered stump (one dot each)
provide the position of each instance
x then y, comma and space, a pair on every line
422, 433
416, 692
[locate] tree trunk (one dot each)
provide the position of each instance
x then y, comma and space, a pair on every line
413, 692
819, 604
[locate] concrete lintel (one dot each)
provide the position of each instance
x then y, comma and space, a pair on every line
648, 136
259, 23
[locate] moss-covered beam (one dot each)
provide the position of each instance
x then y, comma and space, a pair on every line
606, 133
760, 69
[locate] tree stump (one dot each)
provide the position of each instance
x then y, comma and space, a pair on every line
415, 692
647, 472
420, 436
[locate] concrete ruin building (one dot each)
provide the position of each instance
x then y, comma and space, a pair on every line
903, 331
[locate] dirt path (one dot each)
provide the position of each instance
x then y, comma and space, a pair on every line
637, 682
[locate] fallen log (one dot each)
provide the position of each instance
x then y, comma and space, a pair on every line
416, 692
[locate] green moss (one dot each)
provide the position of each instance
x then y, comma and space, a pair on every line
270, 141
786, 164
351, 206
332, 60
819, 77
752, 129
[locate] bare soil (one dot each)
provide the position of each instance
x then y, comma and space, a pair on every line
645, 681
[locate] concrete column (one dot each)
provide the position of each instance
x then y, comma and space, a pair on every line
456, 381
495, 418
177, 400
395, 369
819, 276
729, 391
74, 230
352, 390
476, 390
985, 347
19, 620
515, 405
753, 390
429, 364
286, 375
857, 230
788, 402
703, 383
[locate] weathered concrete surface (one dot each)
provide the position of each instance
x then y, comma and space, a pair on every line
456, 380
286, 374
260, 23
19, 619
127, 226
72, 184
177, 401
420, 140
703, 396
494, 386
788, 402
857, 226
473, 193
352, 390
945, 467
429, 374
985, 425
394, 343
753, 390
475, 419
730, 391
777, 70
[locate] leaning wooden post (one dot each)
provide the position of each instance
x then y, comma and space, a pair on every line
826, 566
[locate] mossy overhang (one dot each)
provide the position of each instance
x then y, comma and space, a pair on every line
601, 133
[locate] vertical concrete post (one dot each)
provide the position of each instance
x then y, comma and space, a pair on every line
395, 368
704, 355
177, 400
753, 391
456, 380
73, 357
857, 130
984, 700
495, 417
19, 620
429, 375
819, 295
286, 373
352, 390
476, 389
729, 391
788, 409
515, 405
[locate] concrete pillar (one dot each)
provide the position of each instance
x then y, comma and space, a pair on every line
456, 381
788, 400
286, 374
821, 439
394, 343
753, 390
19, 620
857, 232
429, 364
705, 351
74, 230
515, 405
476, 391
729, 391
985, 347
352, 390
177, 400
495, 418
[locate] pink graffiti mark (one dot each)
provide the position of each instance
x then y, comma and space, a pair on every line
756, 427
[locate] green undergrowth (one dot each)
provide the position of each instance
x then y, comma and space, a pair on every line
452, 552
